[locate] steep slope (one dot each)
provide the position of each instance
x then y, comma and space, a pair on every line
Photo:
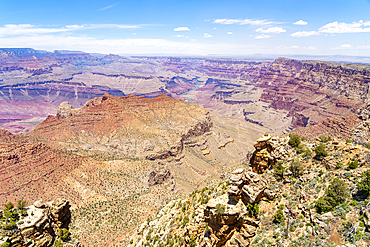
32, 170
282, 206
111, 124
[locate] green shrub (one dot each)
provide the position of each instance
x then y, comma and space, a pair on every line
300, 149
324, 138
21, 204
296, 168
11, 225
324, 204
339, 165
353, 203
57, 243
192, 242
279, 170
64, 234
294, 140
278, 217
307, 153
367, 145
353, 164
6, 244
185, 220
336, 194
9, 206
253, 209
349, 141
364, 184
320, 151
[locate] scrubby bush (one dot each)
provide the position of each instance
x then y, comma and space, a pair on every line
364, 184
64, 234
325, 138
253, 209
307, 153
21, 204
339, 165
336, 194
279, 170
320, 151
353, 164
278, 217
296, 168
349, 141
294, 140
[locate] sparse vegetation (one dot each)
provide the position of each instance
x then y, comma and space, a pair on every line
336, 193
279, 170
296, 168
278, 217
320, 151
364, 184
294, 140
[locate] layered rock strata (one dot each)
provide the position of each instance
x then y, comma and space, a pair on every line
131, 126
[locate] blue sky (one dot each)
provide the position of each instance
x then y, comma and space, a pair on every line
189, 27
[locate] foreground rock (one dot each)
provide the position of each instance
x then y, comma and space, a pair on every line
41, 225
216, 216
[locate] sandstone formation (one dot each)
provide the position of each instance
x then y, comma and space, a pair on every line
41, 225
269, 150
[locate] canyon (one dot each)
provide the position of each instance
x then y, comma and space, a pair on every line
120, 137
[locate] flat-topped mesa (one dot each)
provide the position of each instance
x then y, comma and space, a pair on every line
132, 126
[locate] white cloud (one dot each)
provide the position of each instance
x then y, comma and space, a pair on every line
363, 47
215, 28
179, 36
28, 29
344, 46
311, 48
52, 42
342, 27
271, 30
244, 22
206, 35
229, 32
300, 23
178, 29
304, 33
108, 7
294, 47
262, 36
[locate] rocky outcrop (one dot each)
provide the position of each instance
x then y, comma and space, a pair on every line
229, 223
41, 225
250, 187
160, 174
269, 150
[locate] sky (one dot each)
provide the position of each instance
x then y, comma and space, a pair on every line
189, 27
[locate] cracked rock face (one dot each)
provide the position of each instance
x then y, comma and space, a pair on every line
227, 216
229, 222
42, 223
269, 150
